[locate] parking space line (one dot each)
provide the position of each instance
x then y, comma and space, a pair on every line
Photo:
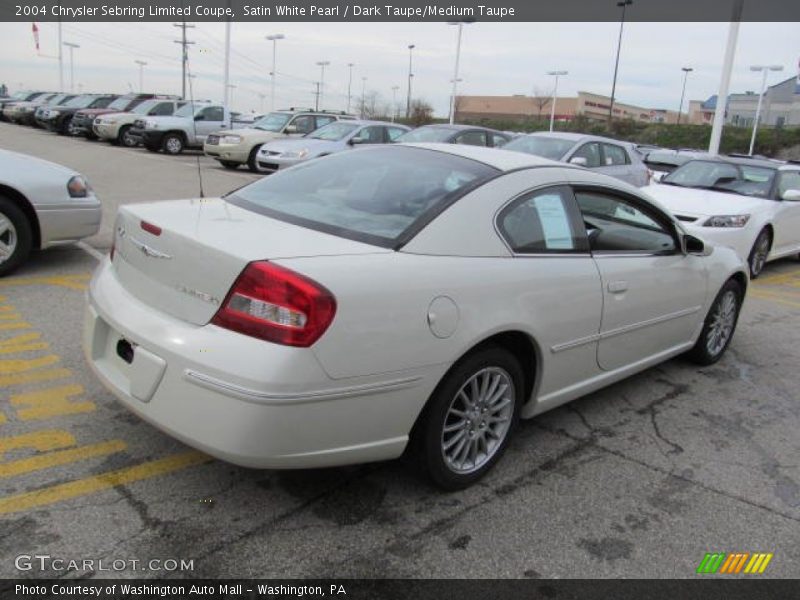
51, 439
97, 483
52, 402
74, 282
34, 377
774, 298
10, 367
60, 457
93, 252
22, 343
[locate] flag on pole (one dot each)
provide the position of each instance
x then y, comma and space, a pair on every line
36, 36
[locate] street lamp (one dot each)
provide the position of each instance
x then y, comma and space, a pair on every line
686, 71
410, 75
460, 25
71, 47
556, 74
141, 64
764, 69
349, 84
623, 4
394, 101
274, 39
322, 64
363, 96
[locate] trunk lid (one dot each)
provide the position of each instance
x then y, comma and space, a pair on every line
188, 268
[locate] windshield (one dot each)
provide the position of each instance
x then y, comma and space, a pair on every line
539, 145
273, 122
334, 131
144, 107
120, 103
20, 95
373, 195
427, 134
80, 101
746, 180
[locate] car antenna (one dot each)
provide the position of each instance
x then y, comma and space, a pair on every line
194, 127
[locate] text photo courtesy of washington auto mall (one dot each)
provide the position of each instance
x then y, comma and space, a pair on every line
399, 301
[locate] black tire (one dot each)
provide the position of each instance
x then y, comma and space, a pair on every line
701, 353
758, 254
172, 143
123, 139
64, 127
428, 438
22, 235
229, 165
252, 164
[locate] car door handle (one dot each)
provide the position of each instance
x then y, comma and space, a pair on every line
617, 287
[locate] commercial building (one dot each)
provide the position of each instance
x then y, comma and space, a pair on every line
779, 108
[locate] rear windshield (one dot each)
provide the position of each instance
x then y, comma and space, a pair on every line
374, 195
539, 145
427, 134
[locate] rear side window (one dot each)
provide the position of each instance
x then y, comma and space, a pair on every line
591, 152
498, 140
471, 138
163, 109
540, 222
615, 155
374, 195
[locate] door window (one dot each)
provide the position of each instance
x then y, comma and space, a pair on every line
304, 124
591, 152
472, 138
324, 121
498, 140
394, 133
540, 222
615, 155
371, 135
788, 180
615, 224
212, 113
163, 109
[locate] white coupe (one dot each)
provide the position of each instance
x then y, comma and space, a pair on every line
405, 296
751, 205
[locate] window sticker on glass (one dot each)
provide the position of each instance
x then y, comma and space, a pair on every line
554, 220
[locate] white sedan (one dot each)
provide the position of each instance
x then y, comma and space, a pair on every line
751, 205
41, 204
393, 297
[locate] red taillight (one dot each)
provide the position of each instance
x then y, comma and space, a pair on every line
277, 305
150, 228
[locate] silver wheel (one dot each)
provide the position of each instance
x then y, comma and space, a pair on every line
723, 321
128, 140
173, 145
8, 238
478, 420
759, 255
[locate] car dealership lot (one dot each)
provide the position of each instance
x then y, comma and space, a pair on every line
638, 480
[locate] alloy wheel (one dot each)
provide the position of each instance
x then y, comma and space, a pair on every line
760, 253
723, 321
8, 238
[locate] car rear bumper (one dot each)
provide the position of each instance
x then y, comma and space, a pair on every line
240, 399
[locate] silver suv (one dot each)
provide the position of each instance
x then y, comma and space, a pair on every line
240, 147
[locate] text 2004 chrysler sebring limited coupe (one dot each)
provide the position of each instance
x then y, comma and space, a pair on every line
422, 296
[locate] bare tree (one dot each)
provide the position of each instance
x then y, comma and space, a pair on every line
421, 113
540, 99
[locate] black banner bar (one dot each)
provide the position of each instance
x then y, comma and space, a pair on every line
399, 10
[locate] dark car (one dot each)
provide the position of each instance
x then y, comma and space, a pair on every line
59, 118
24, 96
456, 134
59, 100
27, 116
84, 118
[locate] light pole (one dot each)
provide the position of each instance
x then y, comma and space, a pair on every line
349, 84
274, 39
623, 4
230, 87
363, 96
142, 65
394, 101
410, 75
686, 71
322, 64
764, 70
71, 47
556, 74
460, 25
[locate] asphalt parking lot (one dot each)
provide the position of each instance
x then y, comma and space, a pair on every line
638, 480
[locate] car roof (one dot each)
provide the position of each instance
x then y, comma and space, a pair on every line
368, 122
791, 166
742, 161
460, 127
576, 137
504, 160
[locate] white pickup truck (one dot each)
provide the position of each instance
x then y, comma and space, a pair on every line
187, 128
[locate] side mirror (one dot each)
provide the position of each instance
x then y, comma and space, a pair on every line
290, 129
693, 245
357, 140
791, 195
578, 160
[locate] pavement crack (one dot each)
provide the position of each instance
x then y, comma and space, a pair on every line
652, 409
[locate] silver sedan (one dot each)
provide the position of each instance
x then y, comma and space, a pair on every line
41, 204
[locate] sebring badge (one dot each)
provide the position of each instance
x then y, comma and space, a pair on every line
198, 294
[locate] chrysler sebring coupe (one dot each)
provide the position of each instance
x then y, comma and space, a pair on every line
393, 298
751, 205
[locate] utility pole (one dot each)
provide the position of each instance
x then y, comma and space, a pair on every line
185, 59
142, 65
71, 47
322, 64
410, 77
349, 85
394, 101
455, 80
363, 96
60, 57
316, 96
274, 39
725, 80
555, 74
623, 4
226, 75
686, 71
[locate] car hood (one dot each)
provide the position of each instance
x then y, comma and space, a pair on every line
98, 111
702, 203
251, 134
313, 146
22, 170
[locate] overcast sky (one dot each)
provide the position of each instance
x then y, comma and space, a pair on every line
496, 59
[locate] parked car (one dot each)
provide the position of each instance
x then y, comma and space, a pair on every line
393, 297
22, 96
41, 204
36, 116
84, 119
241, 148
457, 134
751, 205
15, 110
25, 112
612, 157
59, 119
115, 127
186, 128
330, 139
